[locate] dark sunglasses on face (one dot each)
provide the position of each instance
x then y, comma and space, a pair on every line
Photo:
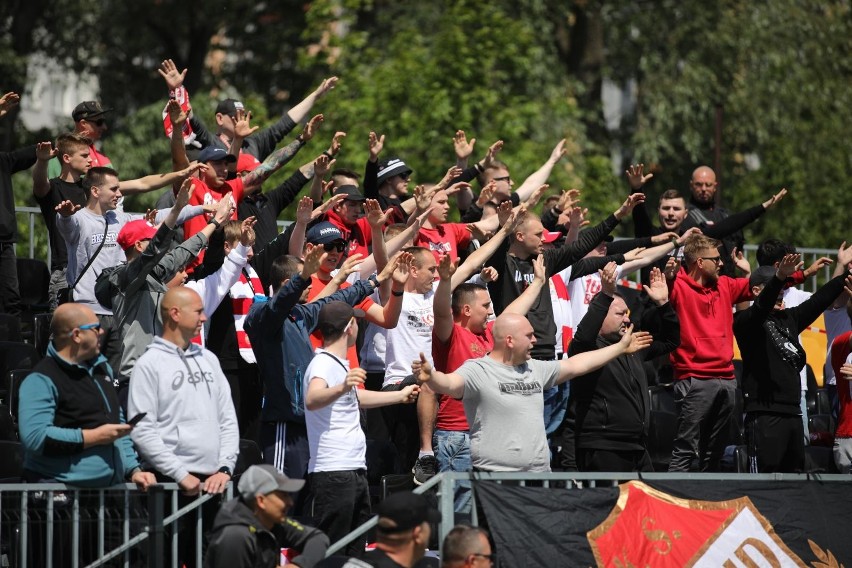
98, 122
340, 246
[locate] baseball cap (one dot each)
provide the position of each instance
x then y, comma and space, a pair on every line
246, 163
335, 316
391, 167
264, 479
405, 510
229, 107
87, 110
761, 275
133, 232
323, 233
213, 154
550, 236
351, 192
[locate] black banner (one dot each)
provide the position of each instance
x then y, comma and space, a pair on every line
732, 524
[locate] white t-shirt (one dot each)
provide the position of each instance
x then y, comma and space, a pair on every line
411, 336
335, 438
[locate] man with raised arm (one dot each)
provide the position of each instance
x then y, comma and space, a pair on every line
502, 393
611, 406
261, 143
767, 335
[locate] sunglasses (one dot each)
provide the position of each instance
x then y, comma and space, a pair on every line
84, 327
507, 179
714, 259
340, 246
98, 122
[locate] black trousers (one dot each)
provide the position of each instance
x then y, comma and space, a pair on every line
340, 503
591, 459
247, 395
10, 295
775, 442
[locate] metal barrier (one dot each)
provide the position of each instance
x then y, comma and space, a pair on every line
78, 522
445, 485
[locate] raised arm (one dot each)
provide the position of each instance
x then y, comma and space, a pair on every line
539, 177
442, 304
283, 155
524, 303
156, 181
178, 117
44, 153
301, 110
585, 363
450, 384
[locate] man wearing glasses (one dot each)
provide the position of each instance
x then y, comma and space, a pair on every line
467, 546
703, 365
90, 122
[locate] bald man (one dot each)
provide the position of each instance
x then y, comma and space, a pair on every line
189, 434
502, 393
73, 431
70, 422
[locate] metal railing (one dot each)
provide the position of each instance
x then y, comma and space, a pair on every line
445, 485
79, 520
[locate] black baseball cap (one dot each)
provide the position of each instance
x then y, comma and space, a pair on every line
335, 316
88, 110
405, 510
351, 192
229, 107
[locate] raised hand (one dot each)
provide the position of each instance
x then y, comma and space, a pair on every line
402, 268
183, 194
539, 269
336, 142
170, 74
817, 266
451, 174
740, 261
491, 154
463, 148
657, 289
242, 126
322, 165
176, 114
486, 194
224, 208
151, 216
635, 341
45, 151
788, 265
772, 201
312, 127
194, 167
333, 201
626, 208
636, 177
504, 212
568, 200
633, 254
375, 216
423, 197
456, 187
490, 274
672, 268
376, 145
247, 236
558, 151
578, 217
304, 210
421, 369
313, 260
446, 268
349, 266
536, 195
66, 208
664, 237
326, 86
844, 255
7, 102
607, 274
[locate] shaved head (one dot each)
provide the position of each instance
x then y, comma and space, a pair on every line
178, 297
508, 324
66, 318
514, 338
702, 171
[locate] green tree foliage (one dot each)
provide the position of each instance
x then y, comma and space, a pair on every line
779, 70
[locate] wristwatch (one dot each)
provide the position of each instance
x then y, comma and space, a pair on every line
225, 469
215, 223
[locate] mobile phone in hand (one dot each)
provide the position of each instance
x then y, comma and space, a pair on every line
135, 420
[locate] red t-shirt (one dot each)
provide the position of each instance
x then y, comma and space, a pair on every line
445, 239
317, 286
839, 352
462, 345
202, 194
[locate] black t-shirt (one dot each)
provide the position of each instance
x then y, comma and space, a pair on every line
59, 191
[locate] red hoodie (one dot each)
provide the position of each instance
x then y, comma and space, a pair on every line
359, 235
840, 350
706, 316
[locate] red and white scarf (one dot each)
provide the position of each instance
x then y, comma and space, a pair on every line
242, 297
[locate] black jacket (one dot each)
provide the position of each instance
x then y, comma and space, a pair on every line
238, 540
611, 406
769, 343
516, 273
10, 163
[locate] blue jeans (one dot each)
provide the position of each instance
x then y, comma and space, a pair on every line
555, 405
452, 450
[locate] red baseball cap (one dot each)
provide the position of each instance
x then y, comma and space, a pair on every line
246, 163
133, 232
550, 236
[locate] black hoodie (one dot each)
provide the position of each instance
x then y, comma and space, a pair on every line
238, 540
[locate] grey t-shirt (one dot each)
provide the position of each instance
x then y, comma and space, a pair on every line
505, 411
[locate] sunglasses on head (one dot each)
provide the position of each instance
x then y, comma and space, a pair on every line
340, 246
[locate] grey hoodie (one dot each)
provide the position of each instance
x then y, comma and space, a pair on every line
190, 426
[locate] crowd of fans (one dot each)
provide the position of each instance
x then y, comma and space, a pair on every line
177, 333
